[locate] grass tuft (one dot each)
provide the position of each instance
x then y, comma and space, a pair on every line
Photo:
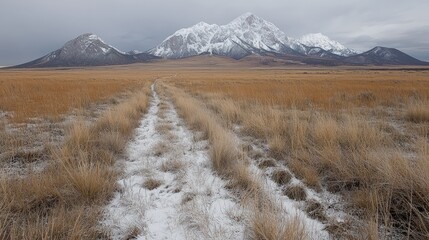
64, 200
296, 192
281, 177
152, 183
418, 112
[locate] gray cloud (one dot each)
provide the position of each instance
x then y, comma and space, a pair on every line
30, 29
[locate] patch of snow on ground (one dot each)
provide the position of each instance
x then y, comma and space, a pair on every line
190, 203
333, 203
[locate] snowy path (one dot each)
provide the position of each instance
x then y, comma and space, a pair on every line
168, 190
317, 209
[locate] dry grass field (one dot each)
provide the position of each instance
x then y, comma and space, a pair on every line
329, 89
62, 200
50, 93
359, 135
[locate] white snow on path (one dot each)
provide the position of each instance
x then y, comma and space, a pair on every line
332, 202
190, 203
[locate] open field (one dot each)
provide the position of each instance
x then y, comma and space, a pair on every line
328, 89
360, 133
32, 94
215, 149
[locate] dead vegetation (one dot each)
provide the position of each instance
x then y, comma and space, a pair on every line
266, 226
295, 192
64, 200
228, 162
316, 210
172, 165
152, 183
351, 132
281, 176
418, 111
52, 93
160, 148
362, 134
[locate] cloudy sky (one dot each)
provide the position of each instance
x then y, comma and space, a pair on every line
30, 28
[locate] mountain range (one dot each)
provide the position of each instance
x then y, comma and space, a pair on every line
244, 36
87, 50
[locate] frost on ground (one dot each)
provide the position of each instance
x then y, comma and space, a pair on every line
318, 210
168, 190
25, 146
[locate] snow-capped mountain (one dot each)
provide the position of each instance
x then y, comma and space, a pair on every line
245, 35
321, 41
89, 44
249, 34
86, 50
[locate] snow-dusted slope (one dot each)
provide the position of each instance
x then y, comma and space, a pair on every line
248, 34
384, 56
244, 35
86, 50
88, 44
321, 41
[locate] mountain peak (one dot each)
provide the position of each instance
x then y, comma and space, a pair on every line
383, 52
248, 18
87, 50
249, 34
246, 15
87, 43
324, 42
202, 24
384, 55
88, 37
380, 48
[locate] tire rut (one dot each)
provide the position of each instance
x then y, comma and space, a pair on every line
168, 189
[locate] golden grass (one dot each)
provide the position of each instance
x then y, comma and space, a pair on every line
326, 88
296, 192
337, 129
418, 111
224, 151
172, 165
315, 210
152, 183
50, 93
281, 177
226, 161
64, 201
272, 227
326, 124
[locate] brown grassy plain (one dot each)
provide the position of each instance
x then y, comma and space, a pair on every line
303, 88
362, 133
64, 200
52, 92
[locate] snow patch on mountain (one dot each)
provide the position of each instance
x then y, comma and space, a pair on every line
87, 44
244, 35
134, 52
321, 41
87, 50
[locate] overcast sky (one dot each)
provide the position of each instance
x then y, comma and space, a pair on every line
32, 28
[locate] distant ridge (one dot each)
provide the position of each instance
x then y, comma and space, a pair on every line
87, 50
246, 35
249, 34
384, 56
